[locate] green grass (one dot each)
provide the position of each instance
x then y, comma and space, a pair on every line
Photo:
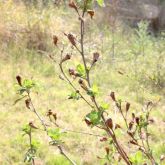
134, 85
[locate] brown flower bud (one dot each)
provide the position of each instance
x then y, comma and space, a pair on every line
71, 71
137, 120
73, 5
82, 84
133, 142
55, 40
107, 150
27, 103
72, 39
133, 116
54, 116
117, 126
112, 94
19, 80
103, 139
130, 125
91, 13
109, 123
88, 122
49, 113
31, 124
127, 106
95, 57
67, 57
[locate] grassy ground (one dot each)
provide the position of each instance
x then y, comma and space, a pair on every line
26, 39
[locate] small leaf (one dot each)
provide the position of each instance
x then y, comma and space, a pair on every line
101, 3
93, 91
28, 84
74, 95
94, 117
104, 106
81, 70
55, 134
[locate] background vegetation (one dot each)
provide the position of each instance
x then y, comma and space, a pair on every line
131, 64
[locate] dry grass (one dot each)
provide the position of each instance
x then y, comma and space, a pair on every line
18, 27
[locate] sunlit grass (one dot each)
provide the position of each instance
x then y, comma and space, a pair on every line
16, 58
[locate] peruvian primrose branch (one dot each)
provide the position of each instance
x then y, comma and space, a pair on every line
28, 103
118, 147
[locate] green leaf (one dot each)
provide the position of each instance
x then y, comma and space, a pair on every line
26, 129
137, 158
104, 106
74, 95
54, 134
94, 117
93, 91
35, 144
81, 70
28, 84
101, 3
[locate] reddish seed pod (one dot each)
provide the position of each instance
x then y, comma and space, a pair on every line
72, 39
73, 5
55, 40
137, 120
103, 139
27, 103
49, 113
19, 80
107, 150
109, 123
88, 122
82, 84
54, 116
117, 126
71, 71
91, 13
67, 57
130, 125
133, 116
95, 57
112, 94
127, 106
133, 142
31, 124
